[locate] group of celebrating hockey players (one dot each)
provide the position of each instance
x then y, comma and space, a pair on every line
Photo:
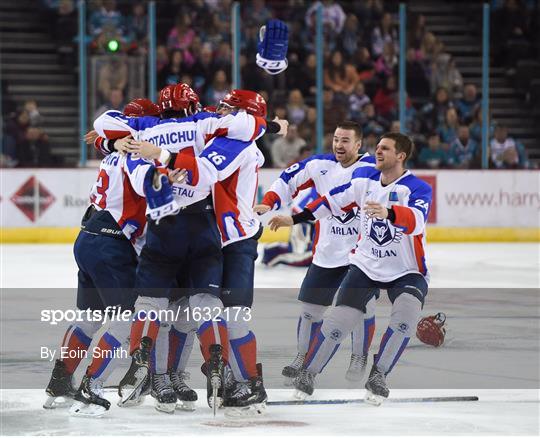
172, 226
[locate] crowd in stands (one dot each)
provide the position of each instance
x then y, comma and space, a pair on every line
360, 71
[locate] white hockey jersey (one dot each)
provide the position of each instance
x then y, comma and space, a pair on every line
335, 235
119, 190
385, 251
187, 135
229, 168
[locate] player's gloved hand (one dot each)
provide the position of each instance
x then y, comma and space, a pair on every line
272, 47
159, 195
430, 330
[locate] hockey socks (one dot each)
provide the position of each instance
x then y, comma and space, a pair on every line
243, 359
180, 346
76, 342
211, 333
308, 324
362, 334
146, 320
405, 314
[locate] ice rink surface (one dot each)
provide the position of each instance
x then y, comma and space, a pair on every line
507, 326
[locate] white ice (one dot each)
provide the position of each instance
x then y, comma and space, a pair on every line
505, 322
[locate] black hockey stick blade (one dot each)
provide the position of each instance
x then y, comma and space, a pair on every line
361, 400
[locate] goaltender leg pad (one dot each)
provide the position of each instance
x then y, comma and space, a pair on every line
363, 332
338, 323
405, 312
159, 196
308, 323
320, 284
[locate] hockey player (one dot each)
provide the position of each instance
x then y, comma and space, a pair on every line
390, 255
106, 251
230, 169
193, 229
335, 237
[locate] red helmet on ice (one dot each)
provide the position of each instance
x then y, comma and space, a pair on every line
177, 98
140, 108
253, 103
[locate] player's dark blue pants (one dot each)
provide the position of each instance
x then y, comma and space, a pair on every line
106, 264
357, 288
188, 241
321, 284
239, 272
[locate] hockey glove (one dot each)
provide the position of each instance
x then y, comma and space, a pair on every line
430, 330
272, 47
159, 195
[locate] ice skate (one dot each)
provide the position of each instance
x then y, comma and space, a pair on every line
214, 376
60, 388
186, 397
357, 368
304, 384
376, 389
138, 396
164, 393
291, 371
137, 373
89, 400
251, 403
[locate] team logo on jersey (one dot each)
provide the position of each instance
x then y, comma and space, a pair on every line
33, 199
324, 172
348, 217
381, 232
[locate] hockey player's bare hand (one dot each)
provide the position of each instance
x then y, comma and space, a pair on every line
280, 221
90, 137
283, 126
374, 209
145, 149
121, 145
261, 209
178, 176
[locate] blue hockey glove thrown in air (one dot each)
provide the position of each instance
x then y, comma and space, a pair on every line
159, 196
272, 47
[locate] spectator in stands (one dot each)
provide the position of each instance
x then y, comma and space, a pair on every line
385, 99
365, 68
30, 106
395, 126
333, 16
306, 129
115, 102
384, 33
305, 152
341, 78
256, 12
387, 62
448, 130
175, 69
285, 150
181, 36
203, 69
371, 122
433, 156
17, 126
137, 23
417, 81
369, 12
162, 58
506, 152
476, 126
463, 150
429, 48
296, 108
34, 150
357, 101
369, 142
350, 38
433, 113
213, 31
218, 88
307, 79
65, 29
334, 111
467, 105
223, 56
416, 32
106, 24
113, 74
444, 73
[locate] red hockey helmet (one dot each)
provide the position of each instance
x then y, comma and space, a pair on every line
253, 103
177, 98
140, 108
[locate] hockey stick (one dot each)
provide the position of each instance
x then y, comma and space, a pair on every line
361, 400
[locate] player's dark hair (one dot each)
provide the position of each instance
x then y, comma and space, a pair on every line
353, 126
403, 143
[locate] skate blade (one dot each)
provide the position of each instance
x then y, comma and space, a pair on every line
132, 402
80, 409
57, 402
128, 390
246, 411
373, 399
219, 402
166, 408
300, 395
188, 406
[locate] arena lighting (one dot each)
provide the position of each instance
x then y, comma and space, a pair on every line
113, 45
